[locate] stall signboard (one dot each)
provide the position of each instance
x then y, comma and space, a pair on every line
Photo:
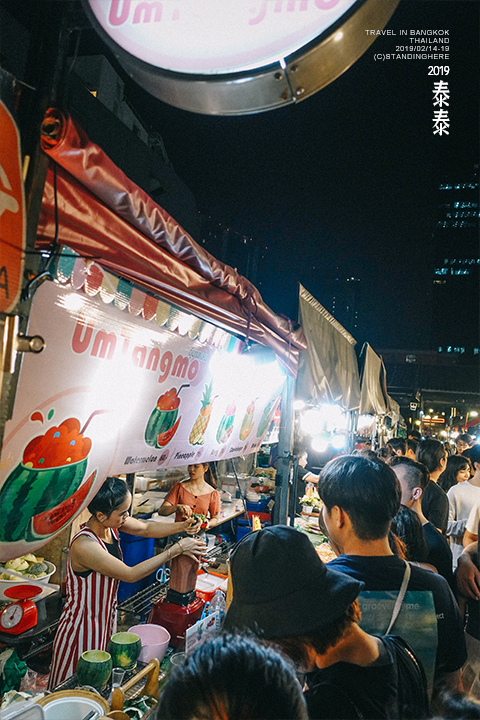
12, 213
220, 57
126, 383
214, 36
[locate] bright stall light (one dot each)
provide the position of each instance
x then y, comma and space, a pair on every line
338, 442
311, 422
320, 444
245, 375
323, 419
73, 302
298, 404
365, 422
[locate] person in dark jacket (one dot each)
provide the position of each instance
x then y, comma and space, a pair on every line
413, 479
360, 499
284, 592
432, 454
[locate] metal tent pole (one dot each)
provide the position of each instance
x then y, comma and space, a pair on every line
284, 460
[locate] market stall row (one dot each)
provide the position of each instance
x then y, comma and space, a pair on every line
154, 355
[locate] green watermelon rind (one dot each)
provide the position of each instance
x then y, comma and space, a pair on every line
124, 655
96, 674
29, 491
160, 421
77, 498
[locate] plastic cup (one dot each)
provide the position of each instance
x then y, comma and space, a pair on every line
117, 677
177, 659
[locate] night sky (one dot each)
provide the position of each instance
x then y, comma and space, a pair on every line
347, 178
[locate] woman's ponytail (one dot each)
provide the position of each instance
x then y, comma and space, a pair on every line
209, 477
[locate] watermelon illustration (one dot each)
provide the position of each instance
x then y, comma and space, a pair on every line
163, 423
52, 469
51, 521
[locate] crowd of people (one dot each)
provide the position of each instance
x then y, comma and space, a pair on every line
388, 629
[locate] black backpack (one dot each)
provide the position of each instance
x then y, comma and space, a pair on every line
412, 697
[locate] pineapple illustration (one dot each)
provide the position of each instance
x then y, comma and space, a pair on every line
197, 435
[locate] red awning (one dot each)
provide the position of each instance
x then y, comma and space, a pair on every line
104, 216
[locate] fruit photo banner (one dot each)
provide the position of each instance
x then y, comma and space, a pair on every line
117, 389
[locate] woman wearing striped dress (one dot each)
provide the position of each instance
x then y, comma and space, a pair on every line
94, 568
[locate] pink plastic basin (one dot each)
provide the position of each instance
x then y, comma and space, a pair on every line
155, 640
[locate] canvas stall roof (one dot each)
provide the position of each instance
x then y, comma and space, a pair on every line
374, 399
91, 206
394, 410
328, 369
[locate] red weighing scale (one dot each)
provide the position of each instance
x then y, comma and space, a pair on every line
22, 615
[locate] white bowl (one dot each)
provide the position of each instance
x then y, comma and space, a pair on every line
4, 584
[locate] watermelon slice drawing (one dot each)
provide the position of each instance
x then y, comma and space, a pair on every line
51, 521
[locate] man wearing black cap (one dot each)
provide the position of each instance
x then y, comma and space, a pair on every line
360, 497
284, 592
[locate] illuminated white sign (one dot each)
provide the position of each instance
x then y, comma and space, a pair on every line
215, 36
237, 56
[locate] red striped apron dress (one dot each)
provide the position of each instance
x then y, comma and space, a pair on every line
88, 619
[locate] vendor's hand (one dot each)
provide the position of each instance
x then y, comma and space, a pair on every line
186, 510
193, 526
192, 547
468, 577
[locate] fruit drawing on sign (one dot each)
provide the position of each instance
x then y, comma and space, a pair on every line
247, 422
197, 434
266, 417
51, 521
164, 421
225, 427
45, 491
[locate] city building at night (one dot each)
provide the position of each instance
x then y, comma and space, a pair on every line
456, 272
445, 378
438, 390
228, 244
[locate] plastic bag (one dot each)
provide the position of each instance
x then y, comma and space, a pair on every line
12, 670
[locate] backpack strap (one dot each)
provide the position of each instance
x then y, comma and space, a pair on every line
400, 596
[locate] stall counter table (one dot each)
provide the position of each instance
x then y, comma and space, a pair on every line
228, 510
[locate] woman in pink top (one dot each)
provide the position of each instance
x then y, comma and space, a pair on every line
198, 494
